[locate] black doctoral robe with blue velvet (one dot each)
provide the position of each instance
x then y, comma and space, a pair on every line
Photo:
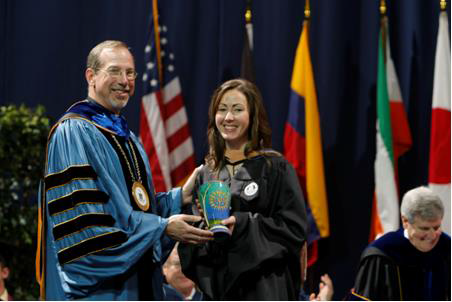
391, 268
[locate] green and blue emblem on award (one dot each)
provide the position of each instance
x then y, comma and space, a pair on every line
215, 199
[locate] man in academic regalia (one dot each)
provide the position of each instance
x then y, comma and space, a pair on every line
412, 263
104, 232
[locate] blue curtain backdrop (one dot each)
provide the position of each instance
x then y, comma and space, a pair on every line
44, 44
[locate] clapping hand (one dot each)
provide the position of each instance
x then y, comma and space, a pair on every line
326, 290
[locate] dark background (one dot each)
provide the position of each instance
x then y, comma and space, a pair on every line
44, 44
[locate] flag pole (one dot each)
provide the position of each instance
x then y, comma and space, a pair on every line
443, 5
247, 66
155, 17
383, 21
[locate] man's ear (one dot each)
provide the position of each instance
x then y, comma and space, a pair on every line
89, 75
404, 222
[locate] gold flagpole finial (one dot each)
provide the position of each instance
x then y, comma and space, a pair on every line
443, 4
307, 10
383, 7
248, 12
248, 15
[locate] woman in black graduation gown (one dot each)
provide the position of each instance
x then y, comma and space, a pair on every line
261, 258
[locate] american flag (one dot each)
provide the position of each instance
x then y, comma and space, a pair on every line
164, 129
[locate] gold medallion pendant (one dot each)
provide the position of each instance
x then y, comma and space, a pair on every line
140, 196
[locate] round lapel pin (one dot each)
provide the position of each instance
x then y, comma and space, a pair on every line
251, 189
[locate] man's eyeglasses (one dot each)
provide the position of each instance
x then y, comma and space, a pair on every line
117, 73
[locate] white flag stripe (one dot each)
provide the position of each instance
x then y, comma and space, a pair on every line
391, 76
385, 188
157, 129
176, 121
249, 29
171, 90
181, 153
441, 87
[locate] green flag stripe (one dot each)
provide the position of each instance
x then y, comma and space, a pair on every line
383, 109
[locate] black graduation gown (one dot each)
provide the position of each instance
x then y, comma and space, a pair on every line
391, 268
261, 260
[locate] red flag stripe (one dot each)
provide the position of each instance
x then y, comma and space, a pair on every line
401, 134
294, 151
313, 253
439, 167
178, 137
174, 105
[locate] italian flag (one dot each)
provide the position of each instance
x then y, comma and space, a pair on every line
439, 164
393, 139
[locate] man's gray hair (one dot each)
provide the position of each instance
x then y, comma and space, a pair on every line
93, 56
421, 202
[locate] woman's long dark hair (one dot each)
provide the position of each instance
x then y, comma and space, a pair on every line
259, 132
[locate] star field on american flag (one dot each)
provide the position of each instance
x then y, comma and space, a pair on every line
151, 74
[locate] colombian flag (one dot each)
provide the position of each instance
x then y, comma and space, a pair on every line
303, 139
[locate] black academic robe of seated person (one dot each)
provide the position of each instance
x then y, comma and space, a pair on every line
391, 268
261, 260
